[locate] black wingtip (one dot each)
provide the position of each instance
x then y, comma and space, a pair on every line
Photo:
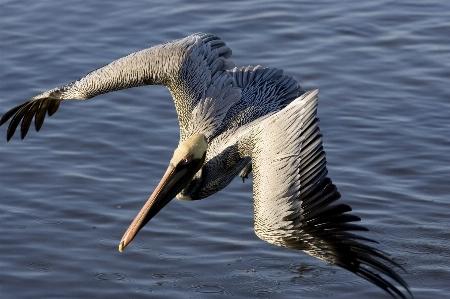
16, 120
53, 106
26, 121
329, 236
25, 112
9, 114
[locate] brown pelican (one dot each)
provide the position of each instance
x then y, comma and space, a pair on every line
234, 121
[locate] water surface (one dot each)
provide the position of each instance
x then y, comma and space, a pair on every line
68, 193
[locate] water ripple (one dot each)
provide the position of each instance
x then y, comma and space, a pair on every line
210, 289
110, 276
49, 221
144, 290
21, 211
41, 266
21, 226
384, 107
172, 256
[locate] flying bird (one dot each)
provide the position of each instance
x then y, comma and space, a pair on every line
234, 121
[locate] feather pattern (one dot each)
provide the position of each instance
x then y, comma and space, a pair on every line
293, 196
190, 68
263, 91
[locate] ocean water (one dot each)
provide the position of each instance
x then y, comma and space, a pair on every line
68, 193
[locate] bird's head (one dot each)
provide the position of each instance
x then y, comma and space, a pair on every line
187, 160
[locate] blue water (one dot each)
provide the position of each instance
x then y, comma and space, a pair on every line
68, 193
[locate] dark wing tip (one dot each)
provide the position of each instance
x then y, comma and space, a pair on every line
329, 236
9, 114
24, 113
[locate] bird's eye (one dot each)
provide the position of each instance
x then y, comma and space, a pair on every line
186, 160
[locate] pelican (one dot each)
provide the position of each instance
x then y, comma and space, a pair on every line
234, 121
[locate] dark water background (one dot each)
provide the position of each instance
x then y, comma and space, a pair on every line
68, 193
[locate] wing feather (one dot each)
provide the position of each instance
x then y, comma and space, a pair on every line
294, 198
40, 114
189, 67
27, 119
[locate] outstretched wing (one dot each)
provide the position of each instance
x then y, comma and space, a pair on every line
293, 196
193, 68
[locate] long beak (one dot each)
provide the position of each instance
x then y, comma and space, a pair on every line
170, 185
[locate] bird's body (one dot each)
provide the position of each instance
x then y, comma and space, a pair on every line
234, 121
